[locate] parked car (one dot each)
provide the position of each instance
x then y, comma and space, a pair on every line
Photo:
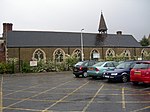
80, 68
121, 72
98, 69
140, 72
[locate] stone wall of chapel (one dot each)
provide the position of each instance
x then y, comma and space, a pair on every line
13, 53
27, 53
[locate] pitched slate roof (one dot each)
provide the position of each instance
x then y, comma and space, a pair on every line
68, 39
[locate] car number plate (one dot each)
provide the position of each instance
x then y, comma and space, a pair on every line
111, 77
137, 73
106, 76
90, 68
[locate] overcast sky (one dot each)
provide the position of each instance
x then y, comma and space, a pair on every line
129, 16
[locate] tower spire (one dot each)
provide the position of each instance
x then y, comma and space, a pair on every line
102, 25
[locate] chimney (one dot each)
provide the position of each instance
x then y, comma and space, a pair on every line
119, 32
7, 27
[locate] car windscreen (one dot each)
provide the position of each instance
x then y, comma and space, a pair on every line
124, 65
141, 66
99, 64
116, 63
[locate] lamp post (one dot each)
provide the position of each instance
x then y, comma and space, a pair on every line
82, 45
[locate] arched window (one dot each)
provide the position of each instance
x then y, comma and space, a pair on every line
144, 52
94, 54
126, 53
39, 55
77, 53
110, 53
59, 55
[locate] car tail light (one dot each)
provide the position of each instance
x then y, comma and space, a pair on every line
81, 68
96, 69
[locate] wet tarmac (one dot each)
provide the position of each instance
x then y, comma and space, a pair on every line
62, 92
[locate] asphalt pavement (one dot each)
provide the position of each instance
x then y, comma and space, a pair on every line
62, 92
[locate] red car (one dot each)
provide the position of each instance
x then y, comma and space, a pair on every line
140, 72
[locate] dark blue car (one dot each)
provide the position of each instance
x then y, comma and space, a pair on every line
121, 72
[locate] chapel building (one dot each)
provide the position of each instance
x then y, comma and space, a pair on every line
56, 46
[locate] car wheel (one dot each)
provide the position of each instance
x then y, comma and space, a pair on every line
84, 74
77, 76
124, 78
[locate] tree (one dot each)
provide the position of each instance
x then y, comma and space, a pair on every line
144, 41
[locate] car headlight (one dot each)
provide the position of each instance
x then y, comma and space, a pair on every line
114, 73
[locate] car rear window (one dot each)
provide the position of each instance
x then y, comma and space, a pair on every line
99, 63
124, 65
83, 63
141, 66
79, 63
91, 63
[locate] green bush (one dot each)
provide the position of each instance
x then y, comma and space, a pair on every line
71, 61
6, 68
41, 67
146, 57
61, 66
1, 68
50, 66
118, 58
9, 67
26, 67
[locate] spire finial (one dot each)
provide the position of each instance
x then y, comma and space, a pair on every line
101, 11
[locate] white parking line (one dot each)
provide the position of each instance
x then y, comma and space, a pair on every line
123, 99
24, 109
142, 109
1, 94
85, 108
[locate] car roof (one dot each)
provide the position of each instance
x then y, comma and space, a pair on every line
130, 61
86, 61
143, 62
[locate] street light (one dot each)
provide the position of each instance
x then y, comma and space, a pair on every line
82, 45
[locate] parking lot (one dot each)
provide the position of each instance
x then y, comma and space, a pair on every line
62, 92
